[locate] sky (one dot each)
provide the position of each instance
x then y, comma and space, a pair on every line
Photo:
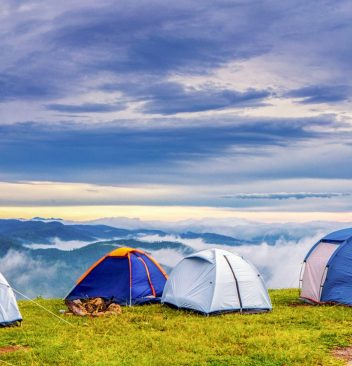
160, 109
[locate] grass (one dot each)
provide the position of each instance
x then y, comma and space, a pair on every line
292, 334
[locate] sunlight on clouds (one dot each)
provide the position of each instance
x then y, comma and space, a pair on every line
269, 73
166, 213
175, 202
285, 107
43, 193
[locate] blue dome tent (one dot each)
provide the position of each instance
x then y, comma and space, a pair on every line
126, 276
326, 275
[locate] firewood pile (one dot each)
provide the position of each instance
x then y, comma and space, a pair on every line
92, 307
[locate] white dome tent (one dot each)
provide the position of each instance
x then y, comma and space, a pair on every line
9, 313
215, 280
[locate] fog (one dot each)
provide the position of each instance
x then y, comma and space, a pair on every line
280, 264
33, 277
278, 252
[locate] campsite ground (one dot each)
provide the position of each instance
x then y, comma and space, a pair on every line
292, 334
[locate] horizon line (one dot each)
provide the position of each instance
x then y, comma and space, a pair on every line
167, 213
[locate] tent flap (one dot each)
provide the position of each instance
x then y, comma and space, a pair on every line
315, 270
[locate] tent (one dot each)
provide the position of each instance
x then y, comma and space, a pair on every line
126, 276
215, 280
326, 274
9, 313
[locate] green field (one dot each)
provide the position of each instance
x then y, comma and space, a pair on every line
292, 334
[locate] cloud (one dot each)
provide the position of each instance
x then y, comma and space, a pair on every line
86, 107
235, 226
280, 247
56, 243
34, 277
14, 87
66, 51
277, 250
171, 98
286, 196
167, 257
151, 38
279, 262
180, 80
189, 166
75, 153
315, 94
158, 37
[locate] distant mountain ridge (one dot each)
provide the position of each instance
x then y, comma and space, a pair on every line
45, 257
34, 231
38, 218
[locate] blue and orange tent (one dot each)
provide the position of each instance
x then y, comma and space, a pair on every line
126, 276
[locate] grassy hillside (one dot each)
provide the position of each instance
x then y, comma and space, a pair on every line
292, 334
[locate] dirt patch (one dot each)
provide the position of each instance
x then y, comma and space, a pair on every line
344, 353
8, 349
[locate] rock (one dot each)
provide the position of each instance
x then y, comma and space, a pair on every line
114, 308
76, 308
98, 301
98, 313
96, 307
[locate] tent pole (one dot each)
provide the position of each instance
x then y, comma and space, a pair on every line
130, 268
237, 287
322, 281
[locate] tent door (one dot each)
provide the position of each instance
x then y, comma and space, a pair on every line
315, 271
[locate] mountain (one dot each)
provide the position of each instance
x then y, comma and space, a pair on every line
38, 218
45, 257
52, 272
37, 231
44, 232
7, 244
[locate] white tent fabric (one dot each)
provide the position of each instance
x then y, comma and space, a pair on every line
9, 312
215, 280
315, 271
